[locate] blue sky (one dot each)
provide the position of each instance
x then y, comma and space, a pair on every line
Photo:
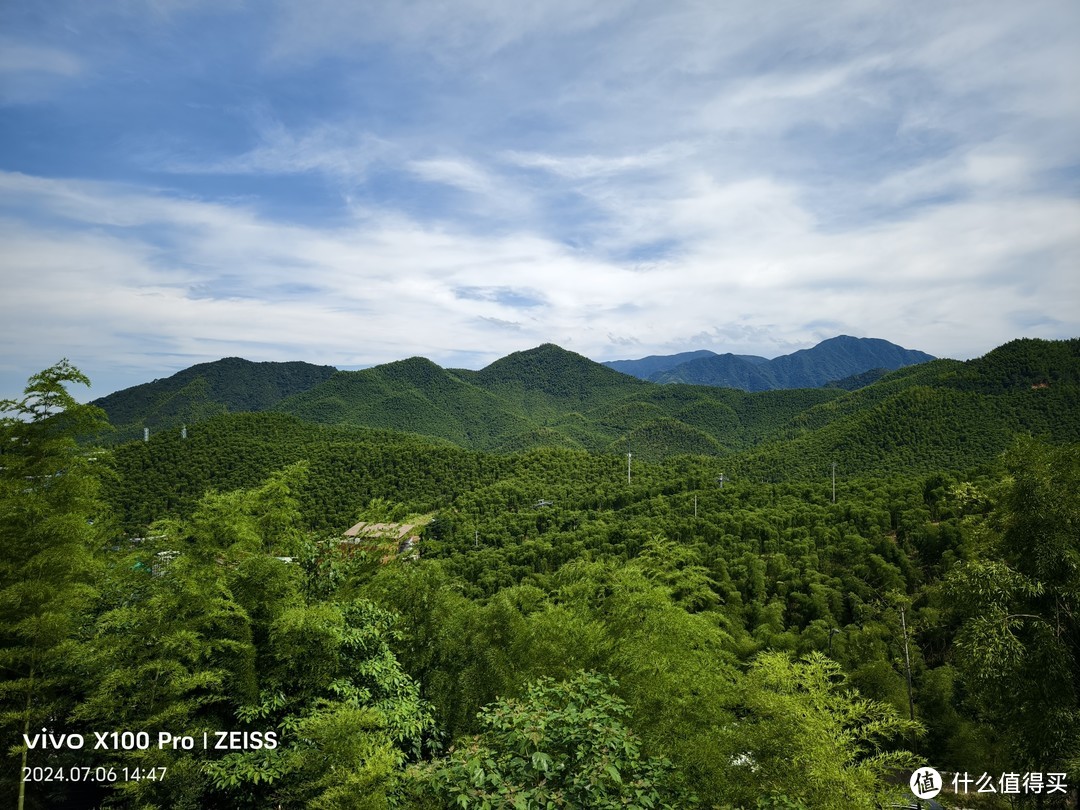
352, 183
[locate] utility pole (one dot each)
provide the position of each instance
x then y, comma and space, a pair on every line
721, 479
907, 668
695, 505
628, 462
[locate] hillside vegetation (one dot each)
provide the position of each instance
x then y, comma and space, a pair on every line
714, 625
942, 414
230, 385
576, 627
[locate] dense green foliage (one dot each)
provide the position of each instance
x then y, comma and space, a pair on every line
856, 381
412, 395
562, 745
47, 508
1020, 606
715, 630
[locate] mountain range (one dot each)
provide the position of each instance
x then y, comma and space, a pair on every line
941, 414
830, 361
229, 385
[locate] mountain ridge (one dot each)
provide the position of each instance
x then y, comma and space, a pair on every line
952, 413
831, 360
203, 390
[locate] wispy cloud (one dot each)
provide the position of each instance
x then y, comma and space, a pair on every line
583, 167
30, 72
340, 152
468, 31
462, 174
22, 58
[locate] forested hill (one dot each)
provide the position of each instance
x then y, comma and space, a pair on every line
831, 360
943, 413
937, 415
549, 379
940, 414
1021, 363
534, 384
572, 628
206, 389
414, 396
524, 400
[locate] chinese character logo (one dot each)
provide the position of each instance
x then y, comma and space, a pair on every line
926, 783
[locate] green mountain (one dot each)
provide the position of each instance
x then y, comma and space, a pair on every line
205, 390
549, 380
551, 397
942, 414
413, 396
1022, 363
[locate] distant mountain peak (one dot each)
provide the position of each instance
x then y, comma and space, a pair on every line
835, 358
549, 396
645, 367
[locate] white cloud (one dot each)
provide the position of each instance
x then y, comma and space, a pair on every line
118, 264
984, 170
493, 196
460, 173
